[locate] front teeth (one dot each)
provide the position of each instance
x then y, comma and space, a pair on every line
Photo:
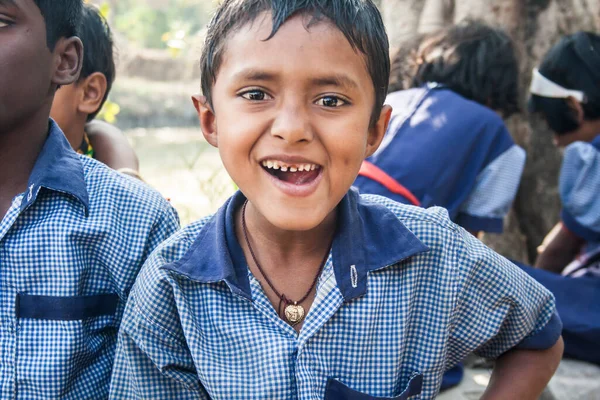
286, 167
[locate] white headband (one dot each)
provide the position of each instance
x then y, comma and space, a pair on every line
544, 87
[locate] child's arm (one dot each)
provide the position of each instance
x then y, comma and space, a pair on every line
111, 147
561, 246
523, 374
504, 314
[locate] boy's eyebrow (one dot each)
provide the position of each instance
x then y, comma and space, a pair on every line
253, 75
335, 80
340, 80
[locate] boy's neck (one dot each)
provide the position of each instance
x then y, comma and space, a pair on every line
75, 131
282, 244
19, 150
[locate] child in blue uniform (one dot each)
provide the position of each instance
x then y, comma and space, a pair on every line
446, 143
73, 233
300, 288
565, 91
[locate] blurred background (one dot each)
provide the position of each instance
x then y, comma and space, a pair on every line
158, 45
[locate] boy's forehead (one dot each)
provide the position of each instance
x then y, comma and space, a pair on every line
27, 7
261, 27
299, 36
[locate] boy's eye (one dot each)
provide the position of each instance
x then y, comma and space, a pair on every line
3, 23
331, 101
255, 95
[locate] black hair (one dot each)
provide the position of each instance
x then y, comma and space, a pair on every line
62, 18
98, 49
475, 60
573, 63
359, 21
404, 64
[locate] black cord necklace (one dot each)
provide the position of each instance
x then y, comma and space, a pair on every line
293, 312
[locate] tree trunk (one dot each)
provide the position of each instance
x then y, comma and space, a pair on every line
535, 25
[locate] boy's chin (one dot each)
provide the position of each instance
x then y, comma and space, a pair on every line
295, 220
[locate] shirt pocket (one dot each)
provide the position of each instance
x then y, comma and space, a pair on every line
336, 390
65, 308
68, 341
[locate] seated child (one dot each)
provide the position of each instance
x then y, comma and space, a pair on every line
566, 93
299, 287
73, 233
446, 144
75, 106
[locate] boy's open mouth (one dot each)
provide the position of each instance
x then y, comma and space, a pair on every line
296, 174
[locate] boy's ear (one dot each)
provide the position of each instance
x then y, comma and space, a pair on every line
68, 59
94, 88
208, 122
576, 108
377, 131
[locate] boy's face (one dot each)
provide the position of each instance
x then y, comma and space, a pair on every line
29, 71
301, 100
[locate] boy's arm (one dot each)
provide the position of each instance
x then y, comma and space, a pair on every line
523, 374
502, 313
560, 247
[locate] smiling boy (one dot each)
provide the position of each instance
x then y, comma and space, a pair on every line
73, 234
299, 288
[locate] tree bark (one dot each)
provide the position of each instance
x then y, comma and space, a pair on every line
535, 25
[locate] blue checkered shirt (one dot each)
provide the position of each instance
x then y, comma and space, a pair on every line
404, 295
71, 246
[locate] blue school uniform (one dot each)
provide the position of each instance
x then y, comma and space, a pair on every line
577, 290
450, 152
404, 295
70, 248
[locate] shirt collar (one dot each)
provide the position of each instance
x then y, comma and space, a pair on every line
369, 237
57, 168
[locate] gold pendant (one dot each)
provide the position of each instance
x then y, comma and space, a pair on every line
294, 314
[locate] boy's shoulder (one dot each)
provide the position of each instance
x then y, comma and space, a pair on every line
110, 189
417, 219
452, 250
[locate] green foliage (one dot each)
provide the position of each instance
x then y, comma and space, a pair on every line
146, 23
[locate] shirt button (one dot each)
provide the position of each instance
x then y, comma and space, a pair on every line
30, 195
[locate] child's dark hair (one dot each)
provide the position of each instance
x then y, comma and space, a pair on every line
474, 60
98, 49
573, 63
62, 18
358, 20
404, 64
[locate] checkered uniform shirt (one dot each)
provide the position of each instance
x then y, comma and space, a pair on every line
404, 295
71, 246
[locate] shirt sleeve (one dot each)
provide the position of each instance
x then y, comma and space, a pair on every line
578, 185
166, 224
152, 359
494, 192
499, 307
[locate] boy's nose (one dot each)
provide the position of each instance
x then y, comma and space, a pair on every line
292, 125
